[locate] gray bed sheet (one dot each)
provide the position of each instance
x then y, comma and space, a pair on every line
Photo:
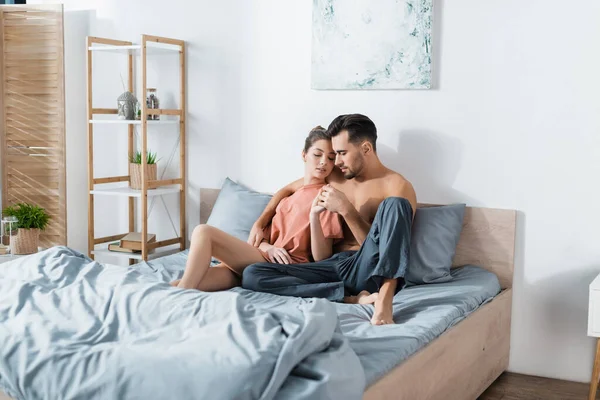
422, 312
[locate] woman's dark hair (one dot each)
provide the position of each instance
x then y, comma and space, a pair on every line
359, 128
316, 133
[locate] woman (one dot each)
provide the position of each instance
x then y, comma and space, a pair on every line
300, 231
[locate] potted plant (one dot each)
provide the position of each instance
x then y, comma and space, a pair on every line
31, 220
135, 169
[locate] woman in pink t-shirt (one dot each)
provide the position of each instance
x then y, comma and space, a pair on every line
299, 232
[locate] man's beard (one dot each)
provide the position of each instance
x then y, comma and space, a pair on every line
352, 173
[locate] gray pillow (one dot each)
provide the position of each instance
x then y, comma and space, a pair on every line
435, 234
236, 209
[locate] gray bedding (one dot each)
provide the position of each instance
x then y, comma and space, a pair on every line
421, 313
74, 328
71, 328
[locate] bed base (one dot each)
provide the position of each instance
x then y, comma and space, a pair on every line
460, 364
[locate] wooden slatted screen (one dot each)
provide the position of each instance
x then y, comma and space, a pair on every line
32, 130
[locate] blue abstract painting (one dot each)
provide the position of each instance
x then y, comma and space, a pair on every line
367, 44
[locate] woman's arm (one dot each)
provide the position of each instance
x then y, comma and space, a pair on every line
256, 233
320, 246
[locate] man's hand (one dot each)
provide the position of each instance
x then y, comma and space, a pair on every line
278, 255
257, 235
334, 200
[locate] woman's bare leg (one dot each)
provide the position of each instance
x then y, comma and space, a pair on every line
217, 278
208, 242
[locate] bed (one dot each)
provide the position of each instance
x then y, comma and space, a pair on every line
317, 357
463, 361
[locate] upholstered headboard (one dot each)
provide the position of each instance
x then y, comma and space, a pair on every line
487, 238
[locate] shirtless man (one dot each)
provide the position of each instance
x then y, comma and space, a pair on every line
377, 206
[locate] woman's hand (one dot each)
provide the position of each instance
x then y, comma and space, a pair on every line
256, 236
278, 255
316, 209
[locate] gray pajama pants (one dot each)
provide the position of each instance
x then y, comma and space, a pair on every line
384, 254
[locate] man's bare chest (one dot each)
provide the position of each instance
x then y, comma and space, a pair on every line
365, 200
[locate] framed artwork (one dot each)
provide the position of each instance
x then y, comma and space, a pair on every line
366, 44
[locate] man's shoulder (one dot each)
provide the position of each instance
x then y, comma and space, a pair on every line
394, 180
336, 176
398, 186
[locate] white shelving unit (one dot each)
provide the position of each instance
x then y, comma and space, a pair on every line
150, 188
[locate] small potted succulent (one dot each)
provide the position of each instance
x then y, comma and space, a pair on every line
135, 169
32, 220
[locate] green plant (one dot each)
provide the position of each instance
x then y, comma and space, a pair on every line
136, 158
29, 216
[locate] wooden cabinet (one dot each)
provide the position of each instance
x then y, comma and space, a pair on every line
32, 105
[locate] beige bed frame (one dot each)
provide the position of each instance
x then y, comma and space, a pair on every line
466, 359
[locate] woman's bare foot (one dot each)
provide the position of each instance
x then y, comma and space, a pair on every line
363, 297
175, 283
383, 314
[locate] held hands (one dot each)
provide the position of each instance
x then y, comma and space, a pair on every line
278, 255
316, 209
333, 200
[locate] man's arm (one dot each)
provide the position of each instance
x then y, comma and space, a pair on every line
336, 201
358, 226
256, 234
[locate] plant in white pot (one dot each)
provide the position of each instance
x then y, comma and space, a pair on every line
32, 220
135, 169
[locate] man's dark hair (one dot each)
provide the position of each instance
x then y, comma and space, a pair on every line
359, 127
317, 133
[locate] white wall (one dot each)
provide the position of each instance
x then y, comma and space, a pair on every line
512, 122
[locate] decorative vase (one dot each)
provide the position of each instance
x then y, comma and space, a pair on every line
26, 241
152, 102
126, 106
135, 174
9, 229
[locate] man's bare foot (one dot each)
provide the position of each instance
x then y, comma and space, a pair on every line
175, 283
383, 314
363, 297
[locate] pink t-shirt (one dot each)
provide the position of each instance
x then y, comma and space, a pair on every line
290, 227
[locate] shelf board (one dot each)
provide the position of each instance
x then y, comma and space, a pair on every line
102, 250
136, 49
126, 191
132, 122
114, 48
